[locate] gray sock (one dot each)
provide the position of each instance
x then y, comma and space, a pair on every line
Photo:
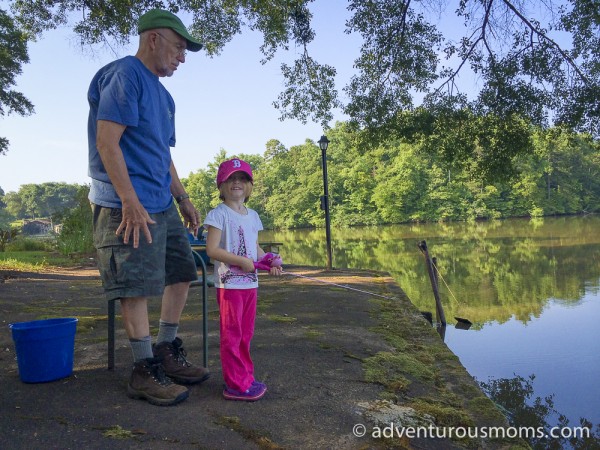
167, 332
141, 348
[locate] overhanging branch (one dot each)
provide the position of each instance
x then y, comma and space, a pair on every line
546, 38
472, 49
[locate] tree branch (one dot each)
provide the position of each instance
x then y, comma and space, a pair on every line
397, 48
472, 49
546, 38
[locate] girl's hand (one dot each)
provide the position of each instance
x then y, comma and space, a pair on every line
247, 265
268, 261
276, 271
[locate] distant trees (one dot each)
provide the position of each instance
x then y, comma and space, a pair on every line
412, 181
400, 180
40, 200
63, 203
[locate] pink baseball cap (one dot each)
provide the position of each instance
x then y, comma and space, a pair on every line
227, 168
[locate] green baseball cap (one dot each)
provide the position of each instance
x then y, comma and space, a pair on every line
159, 18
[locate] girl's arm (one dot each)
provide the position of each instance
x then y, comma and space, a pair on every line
213, 250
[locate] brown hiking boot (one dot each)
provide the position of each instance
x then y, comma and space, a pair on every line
149, 382
176, 366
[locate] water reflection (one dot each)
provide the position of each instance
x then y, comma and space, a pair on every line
531, 289
515, 396
495, 270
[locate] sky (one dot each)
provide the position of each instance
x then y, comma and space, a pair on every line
223, 102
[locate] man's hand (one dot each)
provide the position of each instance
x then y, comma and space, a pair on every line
191, 217
135, 217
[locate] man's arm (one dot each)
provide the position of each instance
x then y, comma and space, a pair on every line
135, 216
186, 207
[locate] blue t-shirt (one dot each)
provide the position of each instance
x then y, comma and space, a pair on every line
127, 92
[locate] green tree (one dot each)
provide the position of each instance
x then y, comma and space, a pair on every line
270, 180
59, 196
41, 200
201, 188
291, 184
14, 205
5, 219
31, 196
561, 157
590, 173
13, 54
402, 179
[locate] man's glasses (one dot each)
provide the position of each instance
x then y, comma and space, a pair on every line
181, 51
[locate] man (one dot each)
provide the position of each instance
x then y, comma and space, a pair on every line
142, 244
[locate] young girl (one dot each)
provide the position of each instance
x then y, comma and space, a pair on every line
232, 242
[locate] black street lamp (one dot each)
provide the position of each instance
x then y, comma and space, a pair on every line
323, 144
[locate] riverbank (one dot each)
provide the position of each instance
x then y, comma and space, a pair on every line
338, 363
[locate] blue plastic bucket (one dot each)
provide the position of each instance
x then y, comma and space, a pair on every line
44, 348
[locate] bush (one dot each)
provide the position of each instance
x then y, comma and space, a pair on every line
6, 236
76, 234
25, 244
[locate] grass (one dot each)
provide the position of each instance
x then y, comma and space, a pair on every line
34, 260
421, 373
279, 318
118, 432
22, 264
234, 423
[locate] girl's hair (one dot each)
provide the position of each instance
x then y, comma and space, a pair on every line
247, 187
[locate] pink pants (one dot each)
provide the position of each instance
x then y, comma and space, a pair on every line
237, 316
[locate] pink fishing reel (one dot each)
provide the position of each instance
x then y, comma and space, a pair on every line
267, 261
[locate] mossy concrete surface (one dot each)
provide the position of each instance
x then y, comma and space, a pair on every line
344, 370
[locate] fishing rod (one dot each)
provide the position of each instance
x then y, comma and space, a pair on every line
337, 285
270, 260
434, 273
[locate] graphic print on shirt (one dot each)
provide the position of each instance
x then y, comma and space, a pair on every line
235, 275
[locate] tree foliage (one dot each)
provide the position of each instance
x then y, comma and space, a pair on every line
535, 60
13, 54
41, 200
400, 181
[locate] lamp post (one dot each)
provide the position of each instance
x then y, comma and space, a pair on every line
323, 144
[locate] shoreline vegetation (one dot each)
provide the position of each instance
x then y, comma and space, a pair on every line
399, 181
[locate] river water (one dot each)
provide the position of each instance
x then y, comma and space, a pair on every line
530, 288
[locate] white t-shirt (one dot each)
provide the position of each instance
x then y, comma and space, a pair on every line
239, 235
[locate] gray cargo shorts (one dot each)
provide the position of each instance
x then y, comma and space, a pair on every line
146, 270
